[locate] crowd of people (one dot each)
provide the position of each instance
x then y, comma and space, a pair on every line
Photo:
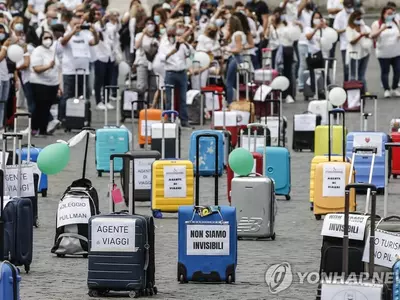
61, 38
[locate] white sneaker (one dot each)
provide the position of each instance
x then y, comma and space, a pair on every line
93, 93
289, 99
396, 92
113, 98
53, 125
25, 131
109, 106
387, 94
101, 106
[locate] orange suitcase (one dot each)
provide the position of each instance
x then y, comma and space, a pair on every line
153, 116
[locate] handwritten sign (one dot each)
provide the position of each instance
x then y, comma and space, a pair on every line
16, 188
73, 210
333, 180
334, 226
130, 96
207, 240
369, 140
75, 108
305, 122
174, 181
142, 167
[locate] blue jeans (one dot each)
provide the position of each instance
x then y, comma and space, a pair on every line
4, 91
345, 67
385, 64
179, 81
303, 53
102, 77
362, 69
231, 71
69, 91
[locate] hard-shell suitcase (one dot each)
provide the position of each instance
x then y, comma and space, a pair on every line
171, 132
121, 248
354, 89
251, 146
110, 140
369, 139
33, 153
395, 163
304, 126
77, 109
147, 117
9, 281
207, 239
255, 218
243, 107
350, 287
277, 123
207, 151
17, 217
143, 160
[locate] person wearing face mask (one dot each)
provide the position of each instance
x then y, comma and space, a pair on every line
174, 51
160, 16
4, 77
386, 32
44, 82
340, 25
36, 10
357, 34
272, 33
51, 19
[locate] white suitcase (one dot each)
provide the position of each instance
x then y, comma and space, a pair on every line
320, 107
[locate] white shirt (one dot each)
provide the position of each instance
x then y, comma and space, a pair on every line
388, 42
305, 20
132, 31
26, 73
273, 38
232, 45
352, 34
140, 55
177, 61
314, 45
43, 56
207, 44
291, 10
43, 25
334, 4
71, 4
284, 36
4, 70
104, 50
37, 5
340, 23
76, 53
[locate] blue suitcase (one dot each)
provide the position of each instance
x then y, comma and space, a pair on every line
278, 168
9, 281
207, 152
214, 260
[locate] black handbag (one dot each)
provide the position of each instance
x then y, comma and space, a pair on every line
152, 52
315, 61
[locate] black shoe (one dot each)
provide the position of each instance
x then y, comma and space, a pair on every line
185, 125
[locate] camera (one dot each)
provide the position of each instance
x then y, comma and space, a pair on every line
85, 27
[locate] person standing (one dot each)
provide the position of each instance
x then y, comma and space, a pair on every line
333, 7
4, 77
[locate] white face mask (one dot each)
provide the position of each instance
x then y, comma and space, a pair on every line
47, 43
151, 28
180, 31
317, 22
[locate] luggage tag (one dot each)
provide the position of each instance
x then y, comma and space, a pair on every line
208, 210
116, 194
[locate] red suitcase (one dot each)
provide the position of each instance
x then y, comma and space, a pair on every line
395, 155
258, 158
355, 86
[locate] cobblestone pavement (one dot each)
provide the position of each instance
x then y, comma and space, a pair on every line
298, 238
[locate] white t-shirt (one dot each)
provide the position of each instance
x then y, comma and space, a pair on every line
352, 34
38, 5
140, 55
340, 23
206, 44
4, 70
71, 4
291, 10
388, 42
331, 4
314, 45
284, 36
43, 56
273, 38
232, 45
26, 73
76, 54
132, 32
305, 20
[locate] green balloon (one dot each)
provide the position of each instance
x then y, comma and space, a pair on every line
241, 161
53, 158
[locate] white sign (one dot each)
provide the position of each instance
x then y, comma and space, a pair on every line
334, 226
210, 97
130, 96
273, 126
353, 292
11, 182
113, 234
143, 127
369, 140
353, 98
75, 108
142, 167
230, 118
73, 210
387, 246
334, 177
252, 171
305, 122
36, 170
174, 181
1, 156
207, 240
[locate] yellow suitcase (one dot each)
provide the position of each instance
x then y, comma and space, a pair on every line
329, 191
172, 185
321, 140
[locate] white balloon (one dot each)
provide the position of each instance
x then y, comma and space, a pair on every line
280, 83
326, 45
15, 53
294, 33
330, 34
202, 58
366, 43
337, 96
123, 68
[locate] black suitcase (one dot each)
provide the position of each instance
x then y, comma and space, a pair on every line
77, 109
304, 139
121, 249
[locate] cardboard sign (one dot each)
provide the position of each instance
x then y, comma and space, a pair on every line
130, 96
387, 246
350, 291
207, 240
305, 122
174, 182
11, 182
73, 210
75, 108
369, 140
142, 167
36, 170
143, 127
334, 226
113, 234
334, 180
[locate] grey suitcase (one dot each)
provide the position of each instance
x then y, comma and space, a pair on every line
121, 248
255, 219
351, 287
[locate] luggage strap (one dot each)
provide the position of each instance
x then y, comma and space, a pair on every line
73, 235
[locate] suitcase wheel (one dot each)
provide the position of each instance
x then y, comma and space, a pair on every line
134, 294
44, 193
157, 214
27, 268
85, 255
273, 237
155, 290
97, 293
287, 197
182, 280
229, 279
61, 255
36, 223
99, 173
318, 217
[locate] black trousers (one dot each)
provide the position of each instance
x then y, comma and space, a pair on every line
44, 96
288, 58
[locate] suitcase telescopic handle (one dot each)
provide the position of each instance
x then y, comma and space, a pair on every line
278, 102
177, 142
169, 113
89, 129
198, 137
336, 111
388, 147
364, 98
265, 127
223, 108
373, 150
345, 261
22, 114
7, 135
